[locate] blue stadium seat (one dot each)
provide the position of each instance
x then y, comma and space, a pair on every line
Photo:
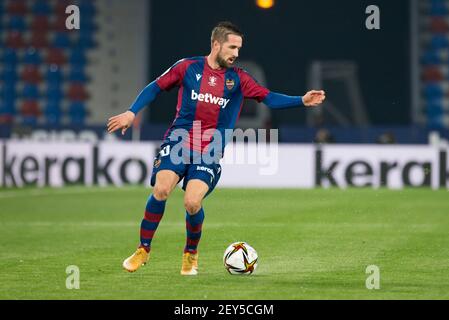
438, 8
88, 23
8, 92
29, 121
439, 42
30, 91
77, 74
55, 92
7, 111
8, 100
52, 112
433, 91
86, 32
17, 23
431, 58
62, 40
87, 8
78, 57
435, 122
54, 75
41, 7
77, 113
435, 113
86, 40
9, 74
9, 57
8, 106
32, 56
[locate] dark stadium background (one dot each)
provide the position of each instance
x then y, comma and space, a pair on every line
285, 39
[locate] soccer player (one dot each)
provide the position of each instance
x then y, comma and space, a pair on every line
210, 96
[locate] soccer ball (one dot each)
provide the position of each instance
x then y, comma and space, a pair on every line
240, 258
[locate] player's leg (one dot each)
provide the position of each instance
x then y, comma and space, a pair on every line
196, 190
165, 182
164, 178
199, 182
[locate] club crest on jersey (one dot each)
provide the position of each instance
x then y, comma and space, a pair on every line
212, 81
230, 84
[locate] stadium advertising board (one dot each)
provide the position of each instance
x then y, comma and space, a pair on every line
391, 166
24, 163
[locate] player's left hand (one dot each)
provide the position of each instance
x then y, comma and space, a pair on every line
122, 121
314, 98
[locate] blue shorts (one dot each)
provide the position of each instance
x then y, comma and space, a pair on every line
194, 167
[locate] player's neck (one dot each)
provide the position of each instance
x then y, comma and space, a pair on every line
212, 62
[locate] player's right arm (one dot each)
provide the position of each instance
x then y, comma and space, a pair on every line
169, 79
124, 120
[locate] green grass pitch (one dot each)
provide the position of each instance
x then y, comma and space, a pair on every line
312, 244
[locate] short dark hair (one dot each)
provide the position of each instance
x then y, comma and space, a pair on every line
222, 30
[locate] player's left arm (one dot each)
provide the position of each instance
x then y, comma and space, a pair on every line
281, 101
253, 90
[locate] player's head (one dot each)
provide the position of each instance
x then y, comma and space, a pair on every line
226, 41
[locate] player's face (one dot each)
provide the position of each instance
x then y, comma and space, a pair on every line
229, 51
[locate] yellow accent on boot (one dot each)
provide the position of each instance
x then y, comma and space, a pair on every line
189, 264
136, 260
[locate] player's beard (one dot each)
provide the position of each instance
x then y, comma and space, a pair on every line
222, 62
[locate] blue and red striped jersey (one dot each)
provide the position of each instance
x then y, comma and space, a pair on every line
207, 98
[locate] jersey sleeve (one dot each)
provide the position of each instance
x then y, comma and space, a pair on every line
146, 96
173, 76
281, 101
251, 89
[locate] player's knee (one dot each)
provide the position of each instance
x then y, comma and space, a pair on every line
192, 205
161, 193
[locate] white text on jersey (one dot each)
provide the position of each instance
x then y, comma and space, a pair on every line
209, 98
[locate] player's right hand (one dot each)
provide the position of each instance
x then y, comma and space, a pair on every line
122, 121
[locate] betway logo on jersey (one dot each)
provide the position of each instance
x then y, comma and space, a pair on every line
210, 98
